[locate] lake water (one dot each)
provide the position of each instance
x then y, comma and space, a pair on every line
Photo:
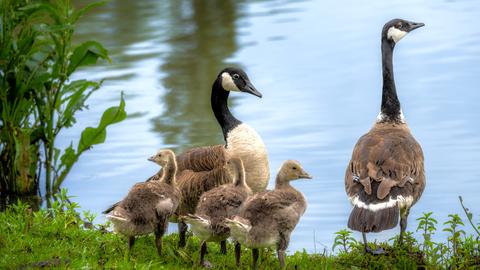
317, 64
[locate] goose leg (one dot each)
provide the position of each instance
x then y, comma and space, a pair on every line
131, 242
159, 231
203, 250
223, 247
365, 243
378, 251
237, 253
281, 247
255, 257
182, 231
403, 223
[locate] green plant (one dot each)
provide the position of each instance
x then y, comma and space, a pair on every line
454, 239
345, 240
426, 225
38, 99
470, 217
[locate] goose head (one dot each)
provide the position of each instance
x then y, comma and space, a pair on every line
394, 30
235, 79
291, 170
163, 157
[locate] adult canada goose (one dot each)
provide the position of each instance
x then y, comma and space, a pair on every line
215, 206
149, 205
385, 175
268, 218
203, 168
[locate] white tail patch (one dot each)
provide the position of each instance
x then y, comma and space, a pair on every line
112, 217
165, 205
395, 34
200, 226
228, 83
399, 201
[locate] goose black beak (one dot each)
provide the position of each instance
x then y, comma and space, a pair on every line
414, 25
152, 159
249, 88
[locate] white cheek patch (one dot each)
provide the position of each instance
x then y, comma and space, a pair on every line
395, 34
228, 83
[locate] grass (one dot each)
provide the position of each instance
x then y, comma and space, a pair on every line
58, 238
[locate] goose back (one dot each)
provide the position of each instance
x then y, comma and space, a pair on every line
386, 172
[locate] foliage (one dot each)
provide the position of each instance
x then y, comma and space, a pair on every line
345, 240
37, 98
59, 237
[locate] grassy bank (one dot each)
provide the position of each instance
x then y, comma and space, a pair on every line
59, 238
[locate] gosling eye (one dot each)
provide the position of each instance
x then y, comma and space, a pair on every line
294, 168
236, 76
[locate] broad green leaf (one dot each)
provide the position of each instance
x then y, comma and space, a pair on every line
86, 53
91, 136
81, 90
69, 157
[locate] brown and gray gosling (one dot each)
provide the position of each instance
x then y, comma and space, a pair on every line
268, 218
149, 205
215, 206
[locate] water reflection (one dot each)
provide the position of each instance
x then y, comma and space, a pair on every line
201, 35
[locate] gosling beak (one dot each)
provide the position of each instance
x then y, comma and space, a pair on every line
249, 88
414, 25
305, 175
152, 159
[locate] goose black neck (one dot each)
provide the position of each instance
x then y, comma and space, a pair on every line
219, 101
390, 103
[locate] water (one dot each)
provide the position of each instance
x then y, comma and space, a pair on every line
317, 64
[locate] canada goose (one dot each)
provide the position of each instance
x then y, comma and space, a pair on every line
268, 218
149, 205
385, 175
215, 206
201, 169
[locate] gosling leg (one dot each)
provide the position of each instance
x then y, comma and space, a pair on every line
237, 253
223, 247
182, 231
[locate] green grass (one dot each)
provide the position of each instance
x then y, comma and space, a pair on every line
58, 238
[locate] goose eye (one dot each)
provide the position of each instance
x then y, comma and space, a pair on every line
236, 76
294, 168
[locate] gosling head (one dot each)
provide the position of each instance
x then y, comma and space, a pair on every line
394, 30
163, 157
291, 170
235, 79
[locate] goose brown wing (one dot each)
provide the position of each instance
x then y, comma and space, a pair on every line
193, 184
221, 202
386, 161
265, 204
202, 158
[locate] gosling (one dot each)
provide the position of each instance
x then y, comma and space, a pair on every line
268, 218
215, 206
149, 205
